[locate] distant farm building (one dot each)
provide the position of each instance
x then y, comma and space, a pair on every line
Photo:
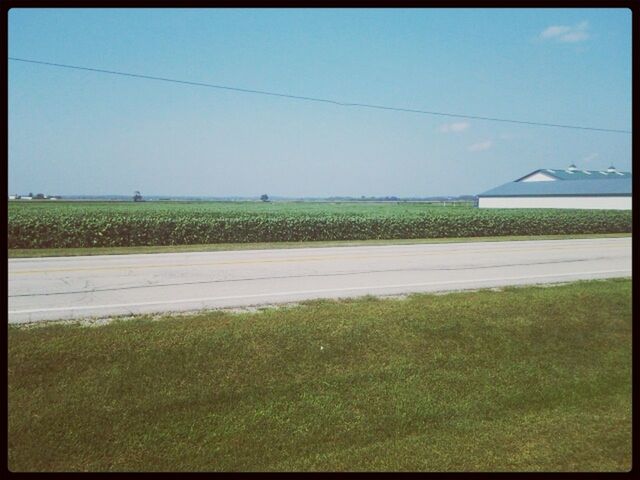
39, 196
563, 188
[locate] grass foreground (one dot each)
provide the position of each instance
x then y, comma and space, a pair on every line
214, 247
524, 379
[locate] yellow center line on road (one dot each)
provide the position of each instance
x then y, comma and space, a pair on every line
310, 259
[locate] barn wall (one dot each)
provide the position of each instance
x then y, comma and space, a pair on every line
613, 203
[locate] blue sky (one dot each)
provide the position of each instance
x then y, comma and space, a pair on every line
73, 132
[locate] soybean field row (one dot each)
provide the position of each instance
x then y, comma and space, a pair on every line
62, 224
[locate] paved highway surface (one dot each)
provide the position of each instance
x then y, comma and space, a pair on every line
103, 286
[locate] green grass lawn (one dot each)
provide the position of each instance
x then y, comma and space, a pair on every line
214, 247
517, 380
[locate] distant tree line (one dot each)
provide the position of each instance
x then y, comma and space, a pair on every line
363, 198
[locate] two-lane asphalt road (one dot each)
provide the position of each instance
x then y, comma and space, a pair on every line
100, 286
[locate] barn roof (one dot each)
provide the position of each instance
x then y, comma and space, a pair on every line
575, 174
620, 186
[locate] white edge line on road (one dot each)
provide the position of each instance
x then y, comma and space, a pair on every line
303, 292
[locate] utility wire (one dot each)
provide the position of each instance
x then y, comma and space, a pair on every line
321, 100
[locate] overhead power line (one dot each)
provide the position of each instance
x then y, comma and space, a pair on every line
321, 100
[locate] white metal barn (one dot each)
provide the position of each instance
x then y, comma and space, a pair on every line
563, 188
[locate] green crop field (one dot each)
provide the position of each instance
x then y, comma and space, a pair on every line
122, 224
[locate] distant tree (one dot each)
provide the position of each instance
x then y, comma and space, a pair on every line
264, 197
31, 194
39, 196
137, 197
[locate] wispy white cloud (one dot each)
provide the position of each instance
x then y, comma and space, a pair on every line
480, 146
454, 127
566, 33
